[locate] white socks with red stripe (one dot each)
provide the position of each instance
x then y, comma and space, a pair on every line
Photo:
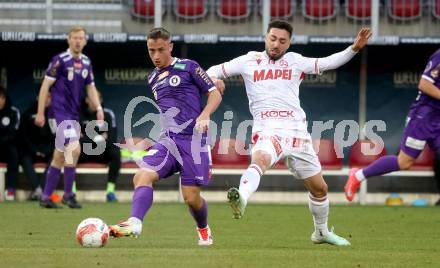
319, 207
250, 180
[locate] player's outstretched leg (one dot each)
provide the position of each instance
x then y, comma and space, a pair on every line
249, 182
383, 165
352, 185
142, 201
319, 207
237, 203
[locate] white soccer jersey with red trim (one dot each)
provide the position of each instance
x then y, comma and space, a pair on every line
272, 87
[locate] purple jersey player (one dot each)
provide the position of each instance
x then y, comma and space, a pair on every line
66, 77
422, 128
177, 86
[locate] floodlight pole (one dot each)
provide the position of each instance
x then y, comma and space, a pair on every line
49, 16
266, 16
375, 19
157, 13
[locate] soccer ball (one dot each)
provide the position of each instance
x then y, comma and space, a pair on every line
92, 233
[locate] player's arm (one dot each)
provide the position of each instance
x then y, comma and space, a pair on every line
427, 87
42, 97
225, 70
319, 65
93, 96
214, 100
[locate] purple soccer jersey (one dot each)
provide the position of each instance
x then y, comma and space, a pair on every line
423, 123
71, 76
178, 90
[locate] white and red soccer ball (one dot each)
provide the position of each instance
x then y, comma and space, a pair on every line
92, 233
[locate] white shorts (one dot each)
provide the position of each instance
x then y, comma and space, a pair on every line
292, 145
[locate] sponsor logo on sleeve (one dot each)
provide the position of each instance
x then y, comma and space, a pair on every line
203, 75
53, 69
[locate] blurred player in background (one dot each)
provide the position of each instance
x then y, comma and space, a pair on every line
106, 136
272, 78
422, 128
36, 145
177, 86
66, 77
9, 122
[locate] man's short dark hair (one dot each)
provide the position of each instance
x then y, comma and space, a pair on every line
281, 24
157, 33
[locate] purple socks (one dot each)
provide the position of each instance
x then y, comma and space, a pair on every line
52, 178
200, 216
383, 165
142, 201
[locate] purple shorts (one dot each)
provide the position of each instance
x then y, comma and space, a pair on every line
66, 129
190, 157
423, 127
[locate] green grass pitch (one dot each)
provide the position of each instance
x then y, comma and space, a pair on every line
268, 236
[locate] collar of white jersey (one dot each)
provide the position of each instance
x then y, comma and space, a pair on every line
267, 56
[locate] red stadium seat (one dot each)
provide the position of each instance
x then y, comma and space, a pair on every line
319, 9
328, 153
233, 9
144, 9
190, 9
359, 159
91, 165
40, 165
435, 7
225, 154
280, 8
425, 161
404, 9
358, 9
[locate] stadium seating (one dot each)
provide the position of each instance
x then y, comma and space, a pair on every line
319, 9
358, 9
435, 7
328, 153
359, 159
233, 9
425, 161
225, 154
280, 8
404, 9
143, 9
190, 9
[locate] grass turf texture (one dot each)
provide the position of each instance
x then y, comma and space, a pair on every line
268, 236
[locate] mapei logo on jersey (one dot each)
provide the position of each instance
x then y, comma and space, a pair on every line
272, 74
276, 114
174, 80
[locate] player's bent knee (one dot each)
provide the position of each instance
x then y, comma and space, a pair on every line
145, 177
319, 190
261, 159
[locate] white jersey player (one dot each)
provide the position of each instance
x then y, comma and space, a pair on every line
272, 80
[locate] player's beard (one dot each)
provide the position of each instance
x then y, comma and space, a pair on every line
275, 58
